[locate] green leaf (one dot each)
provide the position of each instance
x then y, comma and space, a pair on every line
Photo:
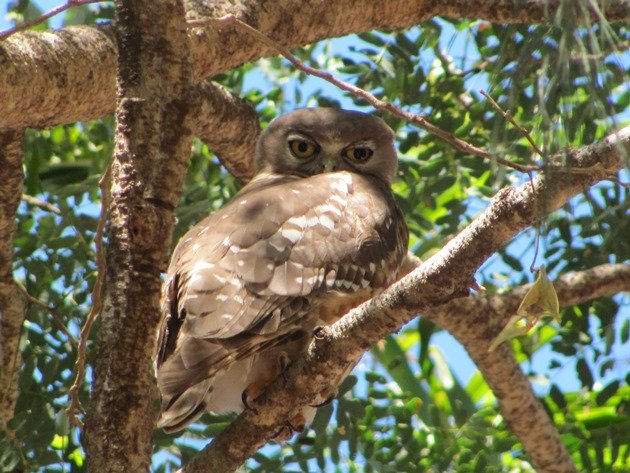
609, 391
584, 373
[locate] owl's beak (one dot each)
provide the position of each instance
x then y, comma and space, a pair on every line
330, 164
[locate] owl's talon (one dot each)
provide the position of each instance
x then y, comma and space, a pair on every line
298, 423
283, 434
319, 332
247, 399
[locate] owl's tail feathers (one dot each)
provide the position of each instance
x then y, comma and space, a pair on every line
184, 408
185, 390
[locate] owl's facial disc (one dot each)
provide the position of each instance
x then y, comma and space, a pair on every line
311, 141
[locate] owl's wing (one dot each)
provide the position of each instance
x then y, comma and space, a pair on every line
248, 274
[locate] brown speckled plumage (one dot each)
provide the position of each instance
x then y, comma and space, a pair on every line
304, 241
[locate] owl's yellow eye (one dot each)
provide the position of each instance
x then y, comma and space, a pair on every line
358, 154
302, 149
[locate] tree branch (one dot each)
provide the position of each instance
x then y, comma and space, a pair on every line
444, 277
74, 405
486, 316
153, 138
69, 75
572, 288
12, 308
40, 19
229, 126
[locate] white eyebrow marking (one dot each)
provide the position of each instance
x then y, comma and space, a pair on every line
222, 297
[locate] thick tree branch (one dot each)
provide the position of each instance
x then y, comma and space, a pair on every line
69, 75
486, 316
572, 288
153, 138
444, 277
12, 308
230, 128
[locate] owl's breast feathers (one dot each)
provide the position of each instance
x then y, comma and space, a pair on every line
277, 258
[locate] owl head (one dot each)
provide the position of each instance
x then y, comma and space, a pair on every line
317, 140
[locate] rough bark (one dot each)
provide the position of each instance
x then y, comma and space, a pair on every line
443, 278
11, 303
230, 128
153, 137
49, 78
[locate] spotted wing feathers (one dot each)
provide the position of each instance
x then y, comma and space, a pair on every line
247, 277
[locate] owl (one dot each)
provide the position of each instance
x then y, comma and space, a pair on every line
315, 233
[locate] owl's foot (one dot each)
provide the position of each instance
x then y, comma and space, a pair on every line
255, 389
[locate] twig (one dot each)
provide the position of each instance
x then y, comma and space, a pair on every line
42, 204
40, 19
51, 310
416, 119
616, 180
97, 304
511, 119
47, 206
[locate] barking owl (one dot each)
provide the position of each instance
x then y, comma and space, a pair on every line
315, 233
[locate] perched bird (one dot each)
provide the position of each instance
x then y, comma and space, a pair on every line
313, 234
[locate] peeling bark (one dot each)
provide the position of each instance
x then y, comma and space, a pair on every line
153, 137
69, 75
443, 278
12, 308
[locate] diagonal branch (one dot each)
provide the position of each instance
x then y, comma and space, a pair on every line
486, 316
444, 277
572, 288
42, 18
